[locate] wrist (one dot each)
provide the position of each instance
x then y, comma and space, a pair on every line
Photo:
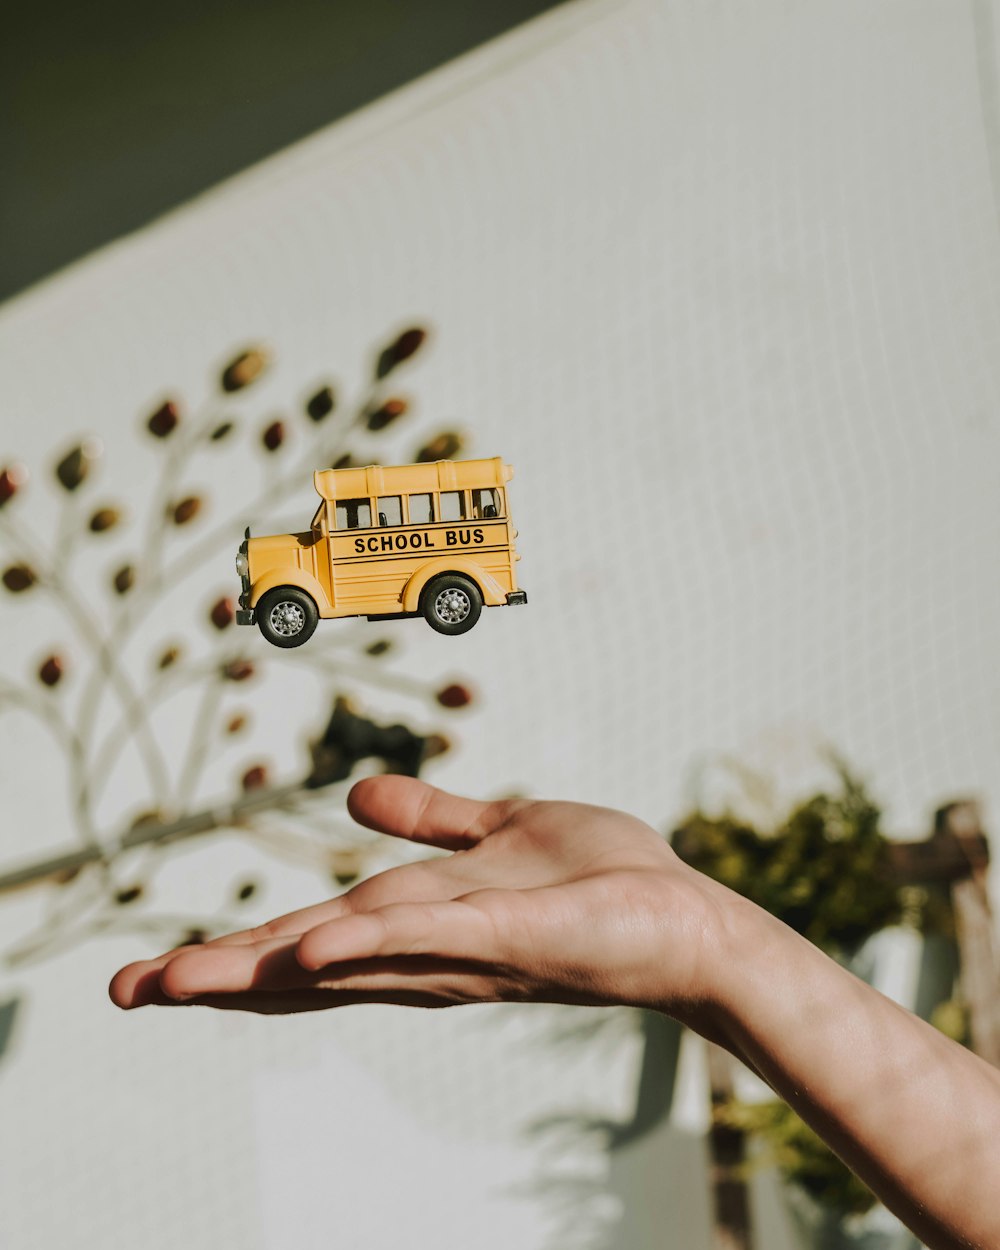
747, 959
775, 988
704, 931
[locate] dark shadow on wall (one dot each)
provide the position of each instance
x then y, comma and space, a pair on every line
8, 1014
113, 112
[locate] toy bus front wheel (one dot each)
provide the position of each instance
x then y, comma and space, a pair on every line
451, 604
287, 616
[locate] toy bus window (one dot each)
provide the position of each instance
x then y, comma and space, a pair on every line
485, 504
390, 510
453, 505
354, 514
421, 510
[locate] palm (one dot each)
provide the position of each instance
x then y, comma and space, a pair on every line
553, 901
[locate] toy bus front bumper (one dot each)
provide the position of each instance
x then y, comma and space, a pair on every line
516, 597
244, 615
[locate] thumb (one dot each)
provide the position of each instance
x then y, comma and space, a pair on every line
407, 808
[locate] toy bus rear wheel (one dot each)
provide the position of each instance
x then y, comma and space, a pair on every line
451, 604
287, 616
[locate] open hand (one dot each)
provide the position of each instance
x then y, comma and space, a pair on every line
541, 901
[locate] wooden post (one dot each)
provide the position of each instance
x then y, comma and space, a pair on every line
957, 855
727, 1149
977, 938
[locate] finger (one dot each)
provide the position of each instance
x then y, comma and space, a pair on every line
260, 1002
151, 980
140, 979
263, 1004
427, 879
282, 926
125, 981
234, 969
272, 967
278, 985
407, 808
137, 985
473, 928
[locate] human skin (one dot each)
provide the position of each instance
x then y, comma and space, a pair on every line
560, 902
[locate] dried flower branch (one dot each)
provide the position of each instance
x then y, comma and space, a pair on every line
90, 901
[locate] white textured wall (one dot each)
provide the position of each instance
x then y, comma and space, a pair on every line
723, 282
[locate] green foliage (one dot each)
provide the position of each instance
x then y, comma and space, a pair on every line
800, 1156
952, 1019
823, 871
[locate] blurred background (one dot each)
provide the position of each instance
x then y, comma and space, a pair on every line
722, 282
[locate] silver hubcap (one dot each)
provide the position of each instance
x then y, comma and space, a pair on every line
287, 619
452, 605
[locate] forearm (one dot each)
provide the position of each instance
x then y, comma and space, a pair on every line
915, 1115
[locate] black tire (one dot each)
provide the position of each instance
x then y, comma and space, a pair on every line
287, 616
451, 604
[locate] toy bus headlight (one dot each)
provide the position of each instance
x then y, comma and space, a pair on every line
242, 564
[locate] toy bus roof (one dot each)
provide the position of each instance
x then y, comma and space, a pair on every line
400, 479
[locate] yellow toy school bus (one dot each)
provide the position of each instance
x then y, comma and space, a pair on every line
432, 540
